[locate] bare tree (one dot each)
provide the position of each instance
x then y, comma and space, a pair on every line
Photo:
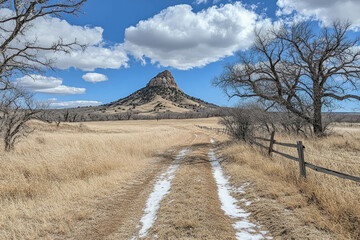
16, 109
67, 116
298, 68
19, 54
57, 121
129, 114
239, 122
24, 55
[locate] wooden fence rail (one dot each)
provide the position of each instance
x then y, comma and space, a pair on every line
300, 158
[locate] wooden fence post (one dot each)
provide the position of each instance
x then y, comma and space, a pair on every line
271, 142
302, 168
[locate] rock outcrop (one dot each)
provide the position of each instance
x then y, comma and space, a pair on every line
165, 87
164, 79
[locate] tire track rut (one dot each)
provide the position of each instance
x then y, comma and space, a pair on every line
192, 209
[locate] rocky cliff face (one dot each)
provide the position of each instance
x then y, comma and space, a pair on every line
164, 79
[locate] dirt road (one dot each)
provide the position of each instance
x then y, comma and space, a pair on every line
185, 195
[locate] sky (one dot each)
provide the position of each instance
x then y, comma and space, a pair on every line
129, 42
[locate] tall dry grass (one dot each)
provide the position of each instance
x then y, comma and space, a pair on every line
52, 176
328, 202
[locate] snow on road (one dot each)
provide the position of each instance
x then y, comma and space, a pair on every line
245, 230
161, 189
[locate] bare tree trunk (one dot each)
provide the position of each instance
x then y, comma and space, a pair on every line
7, 144
317, 119
317, 124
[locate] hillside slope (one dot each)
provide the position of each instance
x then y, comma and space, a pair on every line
161, 98
162, 94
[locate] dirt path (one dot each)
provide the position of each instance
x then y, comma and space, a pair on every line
116, 216
192, 210
119, 212
175, 199
184, 196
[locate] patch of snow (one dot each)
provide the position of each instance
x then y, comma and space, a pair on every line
242, 188
248, 236
161, 189
239, 190
212, 141
244, 224
248, 203
244, 228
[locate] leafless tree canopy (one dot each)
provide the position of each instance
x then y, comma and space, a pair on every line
24, 55
239, 122
16, 109
20, 55
299, 69
246, 121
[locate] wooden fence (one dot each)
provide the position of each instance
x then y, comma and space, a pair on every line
300, 158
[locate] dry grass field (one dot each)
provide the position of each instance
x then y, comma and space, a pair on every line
324, 201
50, 178
91, 181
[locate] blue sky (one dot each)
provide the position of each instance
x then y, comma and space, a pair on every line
137, 39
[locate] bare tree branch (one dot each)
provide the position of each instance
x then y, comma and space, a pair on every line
297, 68
20, 56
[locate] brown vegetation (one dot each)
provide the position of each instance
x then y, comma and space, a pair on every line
323, 201
49, 180
92, 180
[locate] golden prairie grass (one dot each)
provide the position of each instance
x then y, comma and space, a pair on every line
328, 202
52, 177
46, 183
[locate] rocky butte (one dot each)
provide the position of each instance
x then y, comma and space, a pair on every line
163, 79
160, 97
160, 94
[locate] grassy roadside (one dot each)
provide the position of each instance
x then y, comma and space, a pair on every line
322, 201
52, 177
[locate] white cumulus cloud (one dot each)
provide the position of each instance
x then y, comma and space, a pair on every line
74, 104
93, 57
50, 85
94, 77
201, 1
183, 39
326, 11
96, 55
46, 31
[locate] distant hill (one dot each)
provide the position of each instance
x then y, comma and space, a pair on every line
161, 94
161, 98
